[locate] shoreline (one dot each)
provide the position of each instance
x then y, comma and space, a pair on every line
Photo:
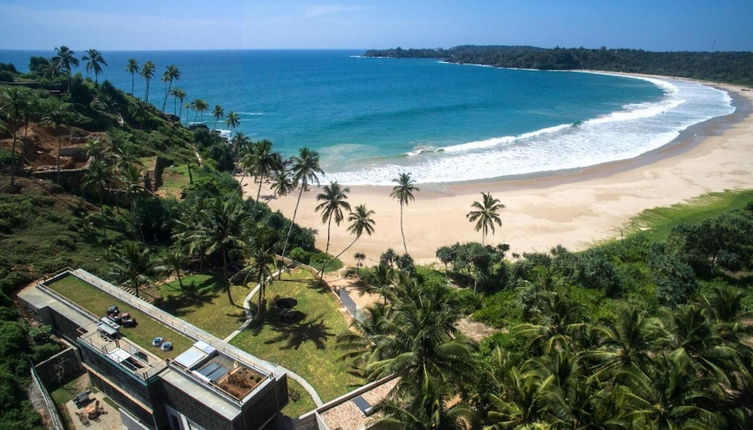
574, 207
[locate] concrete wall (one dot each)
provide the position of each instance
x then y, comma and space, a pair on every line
56, 369
191, 408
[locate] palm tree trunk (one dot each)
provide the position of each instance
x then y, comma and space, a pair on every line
405, 247
180, 280
258, 192
59, 147
290, 229
132, 82
346, 248
262, 287
146, 96
13, 162
326, 250
225, 278
167, 91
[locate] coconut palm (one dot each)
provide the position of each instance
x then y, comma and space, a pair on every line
66, 59
556, 322
305, 170
260, 261
220, 230
361, 222
175, 260
233, 120
218, 113
403, 193
264, 162
669, 395
199, 106
13, 102
96, 179
486, 214
172, 73
334, 200
94, 61
51, 69
132, 67
282, 183
147, 72
134, 266
57, 113
178, 96
359, 257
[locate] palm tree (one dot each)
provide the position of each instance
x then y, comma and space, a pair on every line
233, 120
669, 395
176, 260
96, 178
305, 170
282, 183
486, 214
57, 112
132, 67
94, 61
65, 58
172, 73
220, 230
13, 102
147, 72
361, 222
264, 162
218, 112
556, 322
51, 69
261, 261
334, 200
199, 106
178, 96
403, 192
134, 266
359, 256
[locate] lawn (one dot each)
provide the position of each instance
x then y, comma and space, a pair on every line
203, 303
304, 342
657, 223
174, 178
300, 401
96, 301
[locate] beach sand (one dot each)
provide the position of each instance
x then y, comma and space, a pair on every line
574, 209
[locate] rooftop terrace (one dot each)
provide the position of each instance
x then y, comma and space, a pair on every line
199, 357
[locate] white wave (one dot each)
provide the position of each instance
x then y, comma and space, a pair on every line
250, 113
224, 133
627, 133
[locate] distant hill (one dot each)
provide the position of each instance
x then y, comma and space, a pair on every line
729, 67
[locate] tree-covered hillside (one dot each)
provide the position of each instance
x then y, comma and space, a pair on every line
730, 67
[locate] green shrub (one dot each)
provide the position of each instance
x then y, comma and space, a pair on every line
501, 309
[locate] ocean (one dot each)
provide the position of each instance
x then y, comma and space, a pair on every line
372, 118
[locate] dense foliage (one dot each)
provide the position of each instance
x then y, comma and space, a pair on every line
633, 334
731, 67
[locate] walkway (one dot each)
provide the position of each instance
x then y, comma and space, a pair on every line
194, 332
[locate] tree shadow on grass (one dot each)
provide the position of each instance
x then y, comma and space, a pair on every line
193, 294
296, 333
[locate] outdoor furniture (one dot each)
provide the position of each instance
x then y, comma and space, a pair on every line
166, 346
157, 341
81, 399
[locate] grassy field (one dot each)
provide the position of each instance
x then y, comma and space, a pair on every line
303, 404
204, 303
174, 178
657, 223
304, 341
96, 301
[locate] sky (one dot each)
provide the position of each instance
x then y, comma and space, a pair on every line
658, 25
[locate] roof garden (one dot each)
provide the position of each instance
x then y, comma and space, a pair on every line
97, 301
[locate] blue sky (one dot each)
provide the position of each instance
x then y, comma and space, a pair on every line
269, 24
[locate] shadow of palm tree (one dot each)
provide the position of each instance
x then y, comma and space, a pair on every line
296, 333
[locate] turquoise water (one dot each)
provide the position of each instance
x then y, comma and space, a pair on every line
371, 118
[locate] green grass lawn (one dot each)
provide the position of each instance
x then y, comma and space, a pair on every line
174, 178
96, 301
657, 223
303, 404
203, 303
304, 342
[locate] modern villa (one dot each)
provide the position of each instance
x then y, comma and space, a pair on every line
162, 372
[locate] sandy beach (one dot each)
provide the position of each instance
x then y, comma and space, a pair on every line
575, 208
